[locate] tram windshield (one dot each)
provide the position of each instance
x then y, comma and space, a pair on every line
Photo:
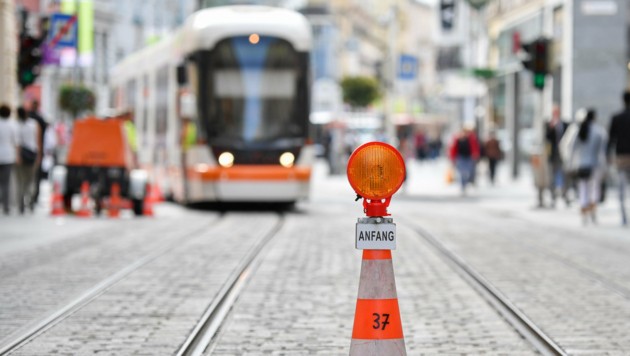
252, 84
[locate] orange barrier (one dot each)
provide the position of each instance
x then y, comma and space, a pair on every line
147, 209
56, 202
85, 211
377, 326
115, 202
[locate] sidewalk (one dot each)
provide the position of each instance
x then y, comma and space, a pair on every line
508, 196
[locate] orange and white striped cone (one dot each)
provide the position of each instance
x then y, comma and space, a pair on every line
56, 201
147, 209
156, 193
377, 326
85, 211
113, 210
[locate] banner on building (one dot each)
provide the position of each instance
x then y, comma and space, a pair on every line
84, 10
62, 36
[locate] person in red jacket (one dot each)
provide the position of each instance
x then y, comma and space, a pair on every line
464, 153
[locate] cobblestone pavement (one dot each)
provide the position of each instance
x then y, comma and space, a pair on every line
152, 310
301, 300
38, 281
573, 282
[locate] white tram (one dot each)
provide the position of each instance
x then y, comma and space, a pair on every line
221, 107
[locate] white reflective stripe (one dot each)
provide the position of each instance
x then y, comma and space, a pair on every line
389, 347
377, 280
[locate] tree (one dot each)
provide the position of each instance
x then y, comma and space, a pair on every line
359, 92
76, 99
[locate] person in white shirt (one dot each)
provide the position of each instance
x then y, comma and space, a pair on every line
8, 154
30, 156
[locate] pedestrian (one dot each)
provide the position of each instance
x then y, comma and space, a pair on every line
420, 145
30, 158
619, 142
42, 124
554, 131
8, 154
587, 160
493, 154
464, 152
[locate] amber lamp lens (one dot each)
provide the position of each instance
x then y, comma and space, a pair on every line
376, 170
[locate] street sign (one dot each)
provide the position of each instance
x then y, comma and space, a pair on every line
375, 234
407, 67
63, 31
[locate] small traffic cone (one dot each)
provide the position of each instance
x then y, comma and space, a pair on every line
113, 210
85, 211
156, 194
147, 209
377, 327
57, 208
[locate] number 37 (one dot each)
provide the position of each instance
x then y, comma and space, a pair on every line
378, 324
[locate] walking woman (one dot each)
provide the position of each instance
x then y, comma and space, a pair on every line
8, 154
30, 156
588, 162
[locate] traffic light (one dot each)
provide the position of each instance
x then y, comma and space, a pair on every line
541, 62
537, 60
29, 59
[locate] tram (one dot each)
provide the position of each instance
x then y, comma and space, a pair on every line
221, 107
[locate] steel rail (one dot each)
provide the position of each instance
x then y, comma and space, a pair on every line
209, 324
542, 342
21, 337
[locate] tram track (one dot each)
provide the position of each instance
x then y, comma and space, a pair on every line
205, 331
567, 260
521, 323
33, 329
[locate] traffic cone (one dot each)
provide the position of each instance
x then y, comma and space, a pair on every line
85, 211
56, 200
377, 327
156, 194
147, 209
113, 210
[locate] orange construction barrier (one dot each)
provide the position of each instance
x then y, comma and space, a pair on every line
85, 211
377, 326
147, 209
57, 208
115, 202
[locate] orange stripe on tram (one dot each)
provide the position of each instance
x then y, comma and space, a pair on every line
265, 173
377, 319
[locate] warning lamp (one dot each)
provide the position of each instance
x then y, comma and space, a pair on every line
376, 171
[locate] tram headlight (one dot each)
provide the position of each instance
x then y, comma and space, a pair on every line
226, 159
287, 159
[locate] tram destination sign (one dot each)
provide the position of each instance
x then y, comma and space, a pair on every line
375, 234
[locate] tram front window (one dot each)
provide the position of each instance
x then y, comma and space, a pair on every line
252, 90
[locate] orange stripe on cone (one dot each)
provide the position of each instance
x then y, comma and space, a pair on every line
377, 255
377, 319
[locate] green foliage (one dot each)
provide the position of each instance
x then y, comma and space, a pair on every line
359, 92
76, 99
